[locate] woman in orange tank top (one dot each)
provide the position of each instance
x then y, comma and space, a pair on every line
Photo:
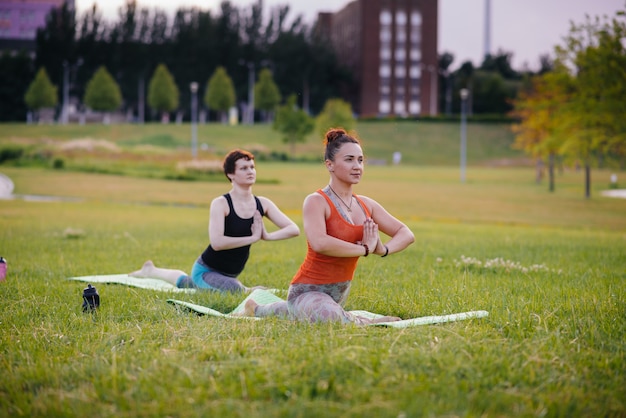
340, 228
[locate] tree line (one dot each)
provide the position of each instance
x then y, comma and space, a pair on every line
195, 43
191, 46
576, 113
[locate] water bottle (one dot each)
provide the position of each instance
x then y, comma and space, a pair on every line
91, 299
3, 269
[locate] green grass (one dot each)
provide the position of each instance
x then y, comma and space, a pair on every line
549, 268
422, 143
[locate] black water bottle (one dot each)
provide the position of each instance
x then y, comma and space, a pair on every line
91, 298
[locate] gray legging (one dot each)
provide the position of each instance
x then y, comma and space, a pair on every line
313, 303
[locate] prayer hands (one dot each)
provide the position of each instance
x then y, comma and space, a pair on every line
370, 234
258, 229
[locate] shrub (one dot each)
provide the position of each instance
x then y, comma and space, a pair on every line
11, 153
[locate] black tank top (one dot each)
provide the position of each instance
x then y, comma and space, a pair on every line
231, 262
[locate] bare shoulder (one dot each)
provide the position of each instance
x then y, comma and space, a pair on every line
218, 200
266, 202
368, 201
219, 203
314, 198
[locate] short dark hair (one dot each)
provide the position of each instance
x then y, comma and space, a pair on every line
231, 159
334, 139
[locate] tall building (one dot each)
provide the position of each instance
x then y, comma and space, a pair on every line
391, 48
20, 19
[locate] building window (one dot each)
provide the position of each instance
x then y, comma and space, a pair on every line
415, 71
400, 34
384, 71
399, 107
416, 55
385, 17
384, 107
400, 72
400, 18
385, 35
385, 53
416, 19
414, 107
400, 54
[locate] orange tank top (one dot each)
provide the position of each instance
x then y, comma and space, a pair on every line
324, 269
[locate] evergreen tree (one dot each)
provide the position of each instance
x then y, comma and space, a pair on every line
16, 73
220, 93
266, 94
41, 93
163, 94
103, 93
293, 122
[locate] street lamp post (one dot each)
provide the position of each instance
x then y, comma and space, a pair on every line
464, 94
66, 92
194, 118
67, 67
250, 93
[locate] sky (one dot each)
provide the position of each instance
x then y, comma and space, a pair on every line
527, 29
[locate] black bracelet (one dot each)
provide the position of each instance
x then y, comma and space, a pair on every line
386, 251
367, 250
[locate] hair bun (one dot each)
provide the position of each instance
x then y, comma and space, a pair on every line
334, 134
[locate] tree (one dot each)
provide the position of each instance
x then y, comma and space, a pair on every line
41, 93
577, 109
163, 93
594, 55
103, 94
16, 73
444, 62
337, 113
220, 93
56, 41
539, 131
293, 122
266, 94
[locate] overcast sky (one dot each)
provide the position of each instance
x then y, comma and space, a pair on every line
525, 28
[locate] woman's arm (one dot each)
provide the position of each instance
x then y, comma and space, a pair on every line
287, 227
401, 235
219, 241
315, 211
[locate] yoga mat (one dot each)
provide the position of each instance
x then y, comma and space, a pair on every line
260, 296
147, 283
265, 297
125, 279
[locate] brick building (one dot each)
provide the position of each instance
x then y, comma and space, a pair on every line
20, 19
391, 48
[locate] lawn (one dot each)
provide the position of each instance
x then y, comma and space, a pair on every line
549, 268
421, 143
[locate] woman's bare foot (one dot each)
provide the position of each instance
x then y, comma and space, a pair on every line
146, 271
250, 308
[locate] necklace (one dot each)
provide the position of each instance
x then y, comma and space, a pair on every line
344, 203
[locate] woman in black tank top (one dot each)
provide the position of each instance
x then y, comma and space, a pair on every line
236, 222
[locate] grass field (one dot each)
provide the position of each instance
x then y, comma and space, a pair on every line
549, 268
422, 143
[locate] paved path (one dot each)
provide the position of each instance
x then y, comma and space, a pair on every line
621, 193
6, 187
